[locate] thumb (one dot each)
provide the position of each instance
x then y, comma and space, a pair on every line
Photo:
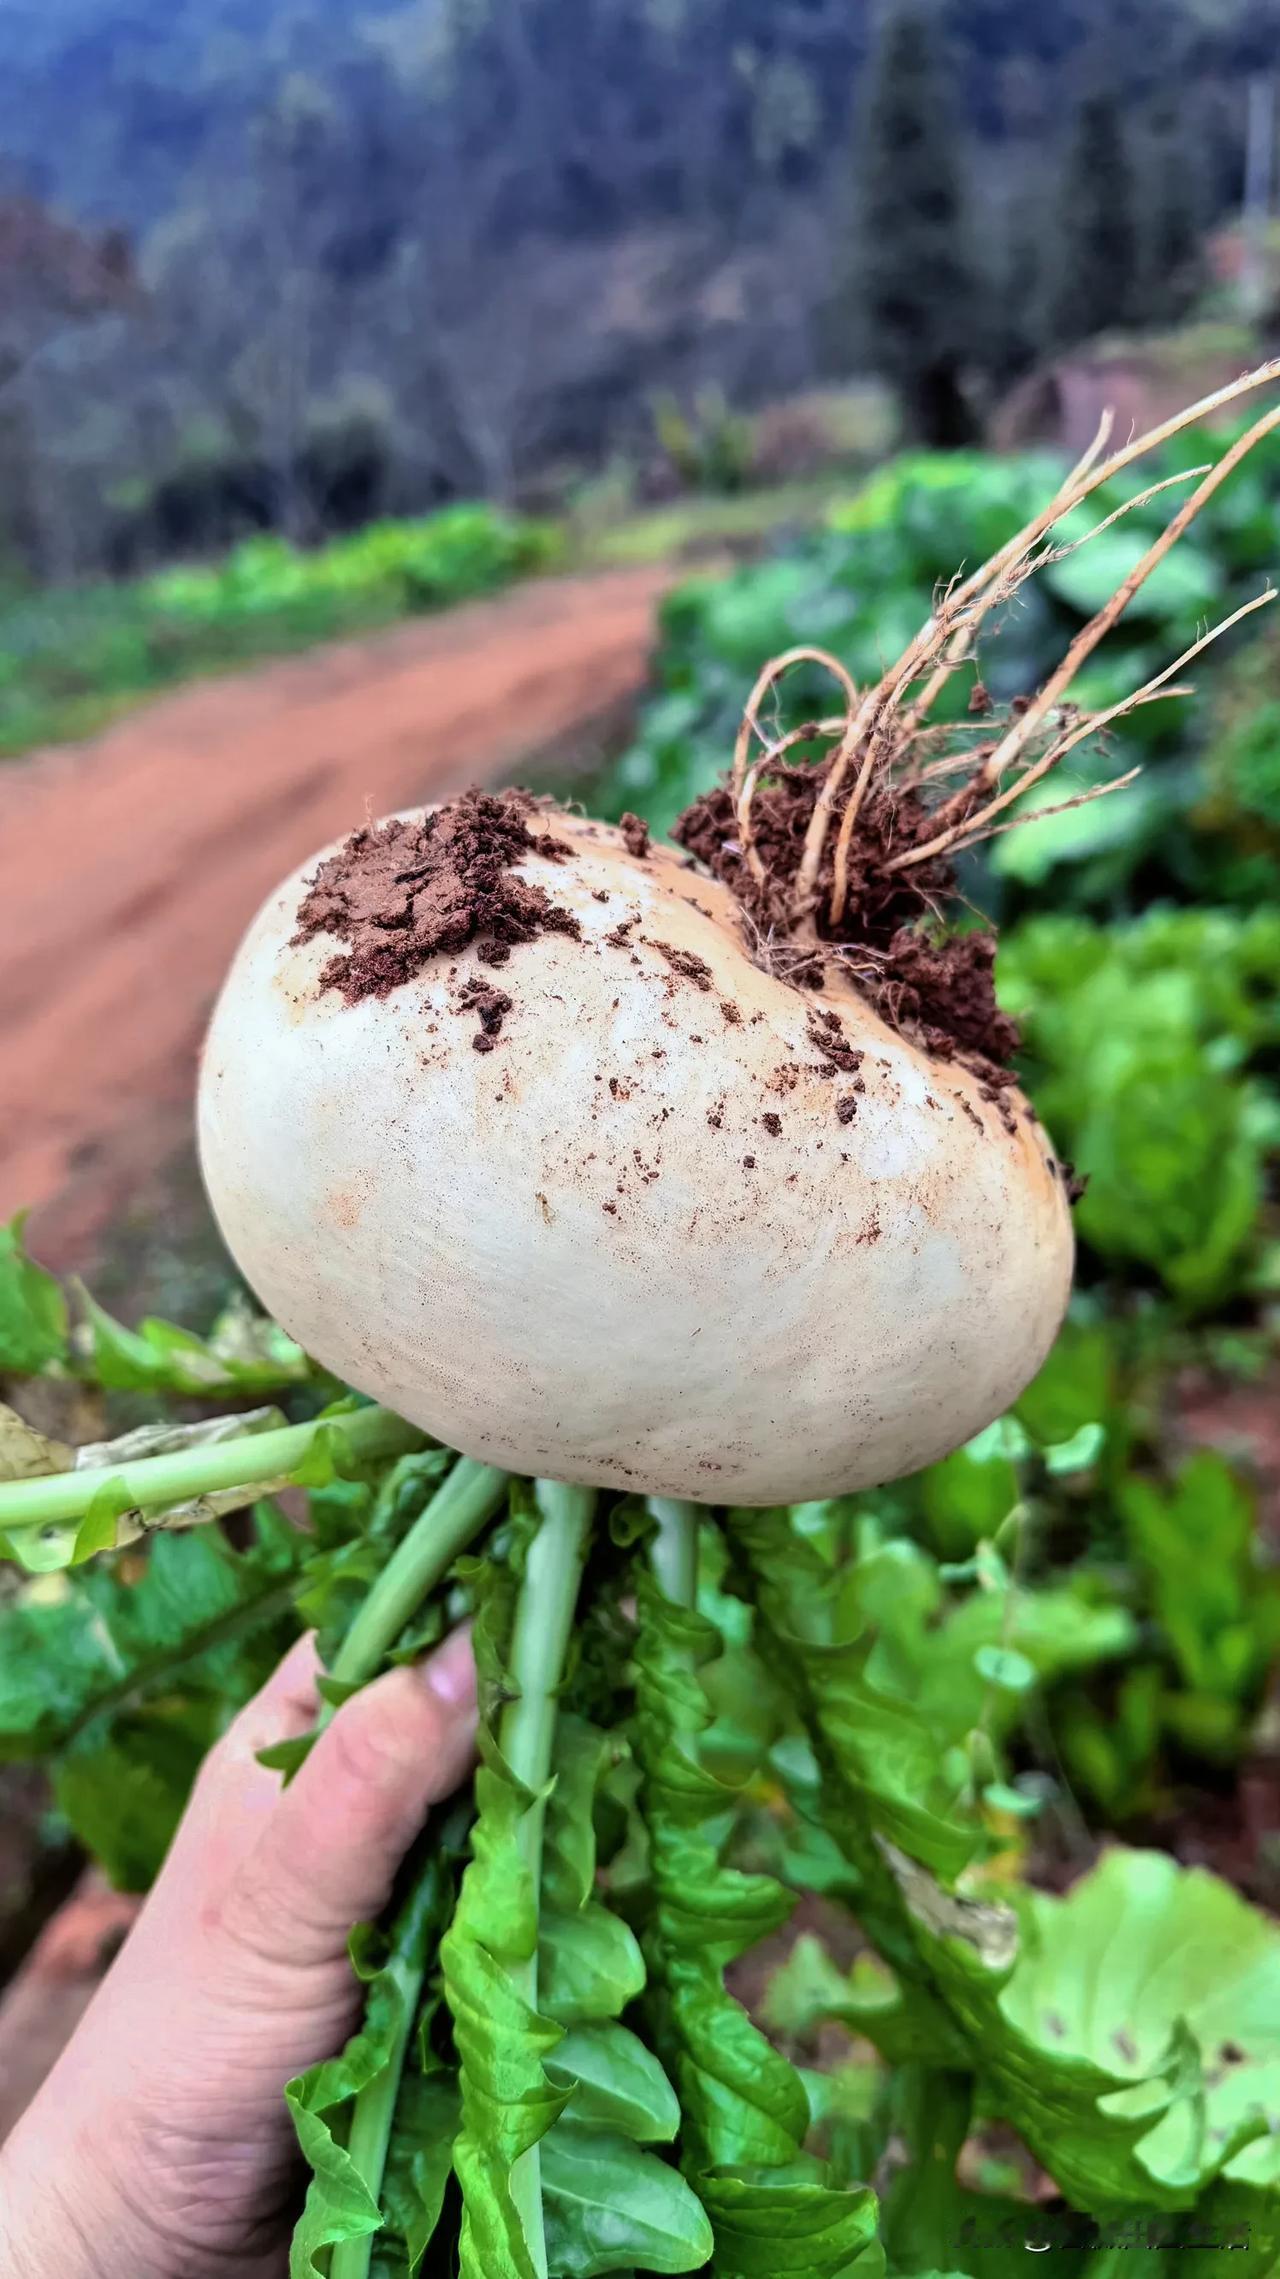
330, 1851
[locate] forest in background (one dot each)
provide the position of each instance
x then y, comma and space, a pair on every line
297, 265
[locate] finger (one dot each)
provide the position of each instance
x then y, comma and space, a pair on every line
328, 1855
283, 1708
235, 1796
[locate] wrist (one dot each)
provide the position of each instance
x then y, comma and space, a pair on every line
37, 2232
59, 2215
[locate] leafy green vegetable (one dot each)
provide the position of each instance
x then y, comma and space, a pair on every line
1218, 1607
123, 1680
33, 1311
1142, 1038
603, 2201
607, 2204
68, 657
508, 2100
100, 1643
746, 2114
1149, 1971
376, 2124
243, 1354
883, 1774
1107, 2027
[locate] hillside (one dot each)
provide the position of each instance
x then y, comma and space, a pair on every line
410, 250
151, 85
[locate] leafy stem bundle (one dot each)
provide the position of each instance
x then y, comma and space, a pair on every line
552, 2076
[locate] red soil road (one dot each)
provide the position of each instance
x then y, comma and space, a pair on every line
129, 867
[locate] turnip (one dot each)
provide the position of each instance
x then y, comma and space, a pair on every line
688, 1228
650, 1180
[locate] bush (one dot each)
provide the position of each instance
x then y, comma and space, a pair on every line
67, 659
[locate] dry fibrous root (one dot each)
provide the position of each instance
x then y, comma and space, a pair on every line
845, 858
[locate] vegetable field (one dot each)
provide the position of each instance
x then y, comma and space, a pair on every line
1004, 1722
68, 659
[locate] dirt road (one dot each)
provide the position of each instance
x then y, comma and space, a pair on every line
129, 867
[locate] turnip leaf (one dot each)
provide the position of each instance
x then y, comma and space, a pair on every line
125, 1678
589, 1965
746, 2113
610, 2204
390, 2179
617, 2083
244, 1353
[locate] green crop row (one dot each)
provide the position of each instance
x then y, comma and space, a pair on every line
69, 658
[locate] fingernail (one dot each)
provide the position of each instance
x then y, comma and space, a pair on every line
451, 1671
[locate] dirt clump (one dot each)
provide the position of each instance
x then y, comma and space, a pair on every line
938, 989
635, 835
400, 893
826, 1035
492, 1005
686, 963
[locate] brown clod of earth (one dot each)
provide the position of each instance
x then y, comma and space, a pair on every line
772, 1124
635, 835
686, 963
826, 1035
477, 996
846, 1109
398, 893
937, 989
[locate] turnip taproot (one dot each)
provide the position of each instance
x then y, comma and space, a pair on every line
689, 1227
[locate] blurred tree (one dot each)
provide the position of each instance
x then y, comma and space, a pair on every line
911, 288
339, 195
1095, 273
53, 279
1015, 326
1170, 214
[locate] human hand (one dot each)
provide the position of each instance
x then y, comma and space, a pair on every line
160, 2146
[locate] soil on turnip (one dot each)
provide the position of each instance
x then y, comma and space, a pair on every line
398, 893
939, 993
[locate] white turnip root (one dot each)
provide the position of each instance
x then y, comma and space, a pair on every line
654, 1239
